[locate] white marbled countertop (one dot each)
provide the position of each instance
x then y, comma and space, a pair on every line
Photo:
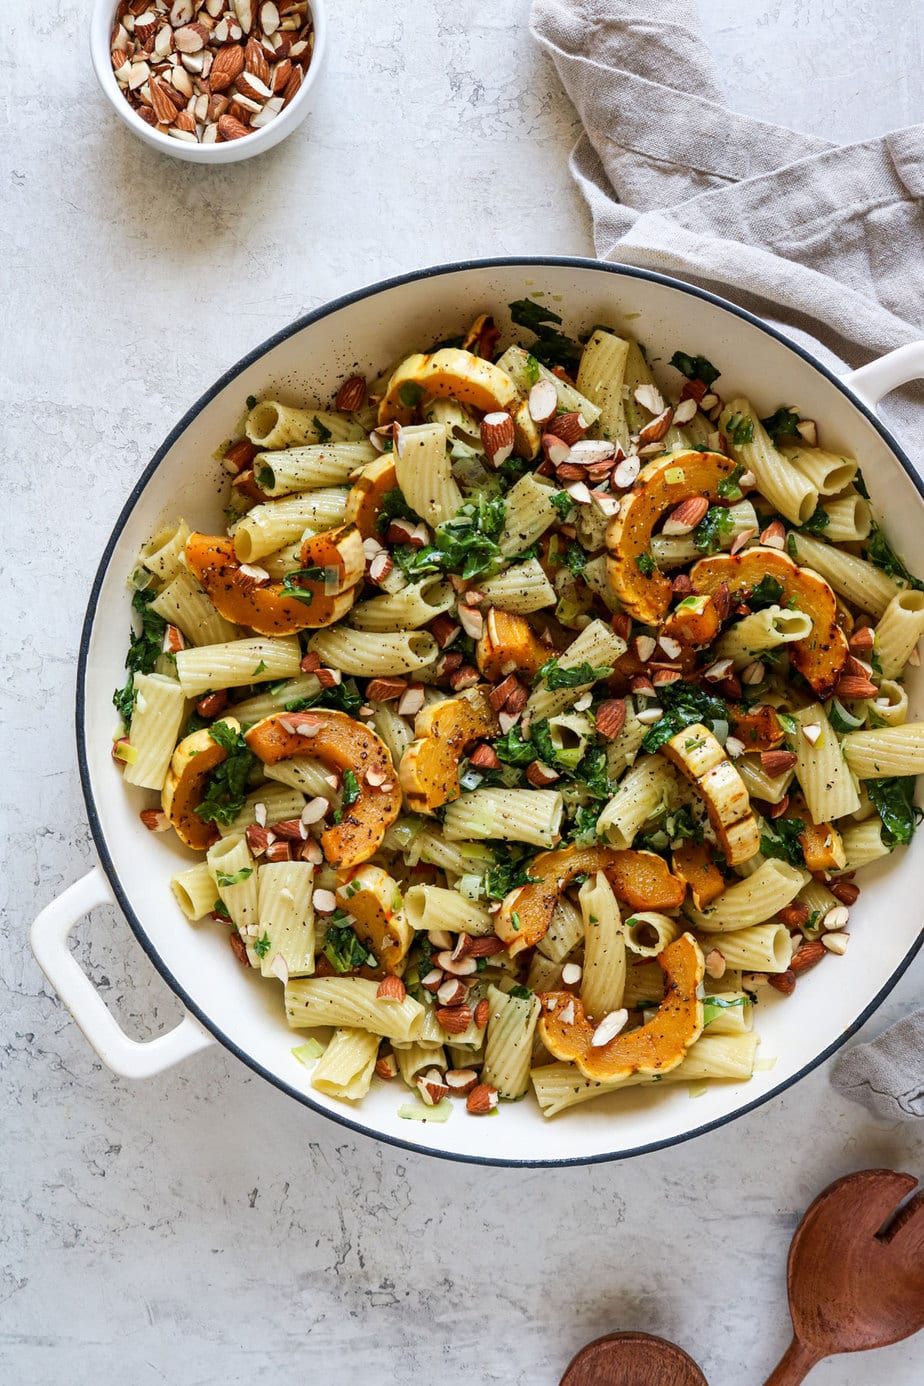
201, 1228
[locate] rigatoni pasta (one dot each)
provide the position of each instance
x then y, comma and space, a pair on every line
524, 719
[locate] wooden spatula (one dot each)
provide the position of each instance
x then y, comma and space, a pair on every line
632, 1359
856, 1271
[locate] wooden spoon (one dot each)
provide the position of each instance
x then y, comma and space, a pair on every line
853, 1286
632, 1359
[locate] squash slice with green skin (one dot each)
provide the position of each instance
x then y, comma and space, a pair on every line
365, 497
821, 656
451, 373
429, 769
656, 1047
640, 879
193, 761
269, 609
373, 898
644, 591
343, 744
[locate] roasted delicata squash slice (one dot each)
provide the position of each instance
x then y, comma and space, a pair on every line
365, 497
758, 727
644, 591
656, 1047
639, 879
509, 645
699, 756
268, 607
192, 763
821, 843
694, 621
821, 656
450, 372
373, 898
343, 744
692, 863
429, 769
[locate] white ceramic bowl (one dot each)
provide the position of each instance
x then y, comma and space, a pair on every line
304, 362
231, 151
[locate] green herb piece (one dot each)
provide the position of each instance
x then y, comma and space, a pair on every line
351, 790
880, 552
791, 546
468, 542
262, 945
788, 723
251, 401
260, 668
395, 507
222, 878
513, 750
894, 801
728, 488
554, 677
767, 592
341, 697
781, 840
521, 993
739, 429
860, 484
509, 872
684, 705
562, 503
344, 951
715, 525
575, 559
645, 564
584, 825
593, 773
221, 909
532, 370
782, 423
410, 394
266, 478
323, 432
227, 787
417, 563
816, 523
515, 922
551, 347
144, 650
695, 367
196, 723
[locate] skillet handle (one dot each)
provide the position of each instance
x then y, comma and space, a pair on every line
878, 378
125, 1056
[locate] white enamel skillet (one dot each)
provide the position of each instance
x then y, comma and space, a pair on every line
304, 362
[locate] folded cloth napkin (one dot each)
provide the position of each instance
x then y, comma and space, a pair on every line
821, 239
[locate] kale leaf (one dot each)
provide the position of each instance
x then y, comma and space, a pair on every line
551, 347
343, 950
554, 677
893, 798
782, 423
341, 697
684, 705
739, 429
781, 840
144, 650
695, 367
510, 870
817, 522
227, 786
880, 552
715, 525
767, 592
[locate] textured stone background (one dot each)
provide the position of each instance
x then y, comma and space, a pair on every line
201, 1228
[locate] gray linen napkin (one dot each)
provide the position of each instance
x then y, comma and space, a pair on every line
823, 240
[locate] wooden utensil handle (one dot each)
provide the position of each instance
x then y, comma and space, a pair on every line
795, 1366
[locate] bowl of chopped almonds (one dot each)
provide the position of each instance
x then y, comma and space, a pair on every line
211, 81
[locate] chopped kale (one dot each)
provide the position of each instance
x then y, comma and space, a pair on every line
880, 552
551, 347
266, 478
395, 507
344, 951
782, 423
323, 432
144, 650
684, 705
893, 798
262, 945
227, 785
576, 559
510, 870
222, 878
341, 697
728, 488
695, 367
715, 525
410, 394
645, 564
593, 774
781, 840
817, 522
513, 750
767, 592
521, 993
554, 677
739, 429
562, 503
